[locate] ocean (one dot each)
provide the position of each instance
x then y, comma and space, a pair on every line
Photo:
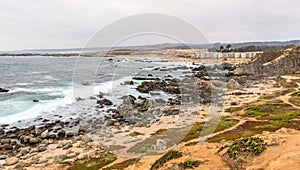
50, 80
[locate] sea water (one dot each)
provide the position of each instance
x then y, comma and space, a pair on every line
50, 80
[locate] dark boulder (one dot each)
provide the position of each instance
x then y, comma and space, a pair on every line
100, 95
61, 134
128, 83
34, 141
1, 131
81, 130
160, 101
29, 128
69, 134
170, 112
2, 90
104, 102
146, 78
128, 99
79, 99
52, 136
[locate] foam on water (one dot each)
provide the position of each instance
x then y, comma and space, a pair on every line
32, 110
44, 106
55, 90
35, 90
49, 78
109, 86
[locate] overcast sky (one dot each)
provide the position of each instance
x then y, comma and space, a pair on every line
32, 24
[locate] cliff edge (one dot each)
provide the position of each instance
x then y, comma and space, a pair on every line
275, 63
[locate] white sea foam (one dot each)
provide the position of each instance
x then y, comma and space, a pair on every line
22, 84
110, 86
48, 106
50, 78
40, 108
35, 90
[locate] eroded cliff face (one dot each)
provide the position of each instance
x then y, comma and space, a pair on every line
275, 63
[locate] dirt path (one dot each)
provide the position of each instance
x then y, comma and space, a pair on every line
204, 138
285, 98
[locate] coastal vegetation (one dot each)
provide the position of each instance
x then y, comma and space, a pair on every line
226, 49
201, 129
172, 154
253, 146
295, 98
122, 165
270, 117
189, 164
93, 164
135, 134
242, 151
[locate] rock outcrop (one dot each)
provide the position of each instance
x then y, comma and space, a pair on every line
170, 87
275, 63
234, 85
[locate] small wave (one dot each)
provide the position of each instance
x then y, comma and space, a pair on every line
49, 106
50, 78
108, 86
40, 108
22, 84
37, 72
35, 90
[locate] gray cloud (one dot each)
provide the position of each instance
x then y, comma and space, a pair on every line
70, 23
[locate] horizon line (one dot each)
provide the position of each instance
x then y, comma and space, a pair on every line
155, 44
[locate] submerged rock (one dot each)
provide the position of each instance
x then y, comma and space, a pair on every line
79, 99
104, 102
100, 95
2, 90
128, 83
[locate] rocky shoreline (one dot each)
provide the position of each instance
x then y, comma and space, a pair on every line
52, 144
19, 144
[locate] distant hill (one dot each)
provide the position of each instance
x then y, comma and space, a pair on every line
266, 43
157, 47
258, 46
